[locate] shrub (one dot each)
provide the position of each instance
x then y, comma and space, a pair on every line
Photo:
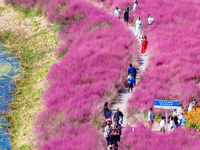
193, 119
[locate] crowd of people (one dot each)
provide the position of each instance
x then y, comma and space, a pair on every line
127, 12
176, 120
138, 24
112, 133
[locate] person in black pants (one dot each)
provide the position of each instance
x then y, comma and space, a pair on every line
176, 121
114, 140
126, 15
119, 132
132, 70
106, 110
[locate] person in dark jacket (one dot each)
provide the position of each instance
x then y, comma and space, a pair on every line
176, 121
114, 139
126, 15
117, 114
106, 110
132, 70
119, 132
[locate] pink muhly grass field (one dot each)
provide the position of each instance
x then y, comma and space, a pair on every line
51, 4
141, 138
99, 49
173, 69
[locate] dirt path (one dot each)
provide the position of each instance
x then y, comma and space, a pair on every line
122, 100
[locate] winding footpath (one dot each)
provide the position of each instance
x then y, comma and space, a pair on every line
122, 100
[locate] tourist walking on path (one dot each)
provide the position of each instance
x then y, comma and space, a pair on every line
117, 12
192, 105
117, 114
162, 124
119, 131
150, 19
106, 110
126, 15
107, 131
175, 118
132, 70
144, 44
131, 81
135, 5
138, 27
176, 121
114, 140
172, 123
150, 118
180, 114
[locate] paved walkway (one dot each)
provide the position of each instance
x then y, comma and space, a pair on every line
122, 100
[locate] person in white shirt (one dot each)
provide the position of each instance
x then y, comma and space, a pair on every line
175, 118
135, 5
180, 115
150, 19
138, 27
117, 12
174, 112
162, 124
108, 128
172, 123
192, 105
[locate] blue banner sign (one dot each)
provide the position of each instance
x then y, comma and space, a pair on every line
166, 104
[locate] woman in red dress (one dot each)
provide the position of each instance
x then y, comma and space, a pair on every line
144, 44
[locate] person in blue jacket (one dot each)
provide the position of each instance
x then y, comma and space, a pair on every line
132, 70
131, 81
